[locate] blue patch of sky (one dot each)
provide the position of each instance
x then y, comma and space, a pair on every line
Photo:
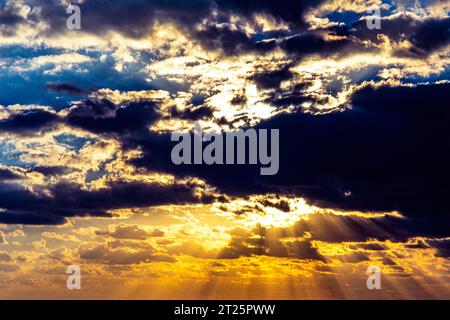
95, 175
347, 17
10, 156
260, 36
30, 87
22, 52
198, 99
414, 78
74, 143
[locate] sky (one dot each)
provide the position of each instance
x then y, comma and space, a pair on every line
86, 177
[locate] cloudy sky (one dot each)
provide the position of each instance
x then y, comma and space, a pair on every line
86, 178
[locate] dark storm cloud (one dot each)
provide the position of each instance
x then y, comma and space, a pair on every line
442, 246
193, 114
6, 174
290, 11
64, 87
426, 35
53, 170
272, 79
389, 152
297, 44
31, 218
231, 42
29, 122
69, 200
103, 116
136, 18
133, 18
281, 205
432, 35
10, 16
313, 43
294, 96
